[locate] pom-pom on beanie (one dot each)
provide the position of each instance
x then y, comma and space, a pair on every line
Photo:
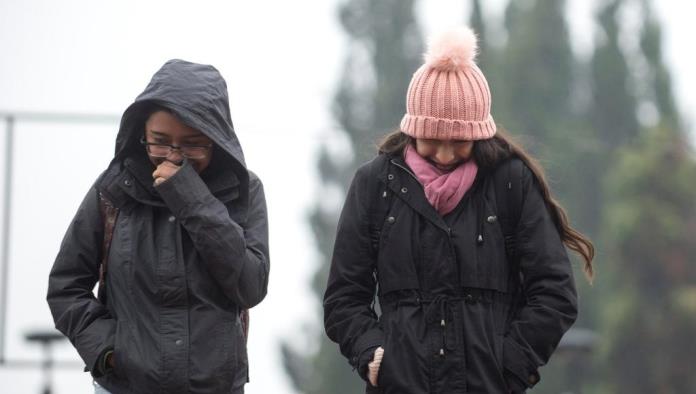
448, 97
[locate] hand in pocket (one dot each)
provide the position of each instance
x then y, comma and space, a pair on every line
373, 366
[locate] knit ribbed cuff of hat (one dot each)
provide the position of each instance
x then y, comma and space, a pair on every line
419, 126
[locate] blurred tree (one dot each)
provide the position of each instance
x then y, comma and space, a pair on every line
538, 102
538, 89
541, 94
537, 99
539, 70
660, 93
383, 52
477, 22
489, 56
613, 104
650, 316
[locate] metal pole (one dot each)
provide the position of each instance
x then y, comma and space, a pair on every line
49, 117
46, 368
9, 142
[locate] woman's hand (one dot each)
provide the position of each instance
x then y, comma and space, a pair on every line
373, 366
164, 171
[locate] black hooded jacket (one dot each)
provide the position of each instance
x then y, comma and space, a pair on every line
186, 255
456, 318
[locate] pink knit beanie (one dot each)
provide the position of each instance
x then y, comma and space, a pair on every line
448, 97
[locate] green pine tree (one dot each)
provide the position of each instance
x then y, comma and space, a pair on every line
539, 67
661, 92
614, 102
537, 96
489, 56
384, 50
651, 311
650, 315
477, 22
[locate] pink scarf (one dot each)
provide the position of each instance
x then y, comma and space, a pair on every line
443, 189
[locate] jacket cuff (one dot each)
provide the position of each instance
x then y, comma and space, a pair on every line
92, 343
102, 368
519, 373
363, 360
371, 339
98, 368
514, 384
184, 188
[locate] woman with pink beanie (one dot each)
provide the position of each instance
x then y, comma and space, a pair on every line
454, 228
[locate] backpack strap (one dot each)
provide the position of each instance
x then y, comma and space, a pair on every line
109, 213
380, 200
507, 181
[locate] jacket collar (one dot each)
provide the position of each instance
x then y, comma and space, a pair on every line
403, 183
133, 181
399, 178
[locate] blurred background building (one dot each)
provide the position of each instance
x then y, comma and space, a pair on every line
598, 90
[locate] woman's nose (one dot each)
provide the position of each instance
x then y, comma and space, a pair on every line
175, 156
445, 155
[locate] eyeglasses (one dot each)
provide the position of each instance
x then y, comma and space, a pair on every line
156, 149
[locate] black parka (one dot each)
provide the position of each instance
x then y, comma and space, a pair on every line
186, 256
453, 318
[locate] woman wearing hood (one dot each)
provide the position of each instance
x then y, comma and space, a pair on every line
176, 233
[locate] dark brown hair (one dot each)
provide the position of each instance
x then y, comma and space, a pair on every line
488, 153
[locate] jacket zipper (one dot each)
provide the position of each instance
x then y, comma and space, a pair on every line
448, 229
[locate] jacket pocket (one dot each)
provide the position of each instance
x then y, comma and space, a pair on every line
228, 337
404, 367
120, 355
484, 346
233, 369
382, 378
241, 364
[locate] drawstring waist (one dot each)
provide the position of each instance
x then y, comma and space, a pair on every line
468, 295
439, 308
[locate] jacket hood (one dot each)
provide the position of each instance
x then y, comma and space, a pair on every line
197, 95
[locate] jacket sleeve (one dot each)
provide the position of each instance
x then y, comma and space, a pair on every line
236, 256
76, 312
349, 318
549, 289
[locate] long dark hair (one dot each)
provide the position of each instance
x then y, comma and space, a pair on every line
488, 153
